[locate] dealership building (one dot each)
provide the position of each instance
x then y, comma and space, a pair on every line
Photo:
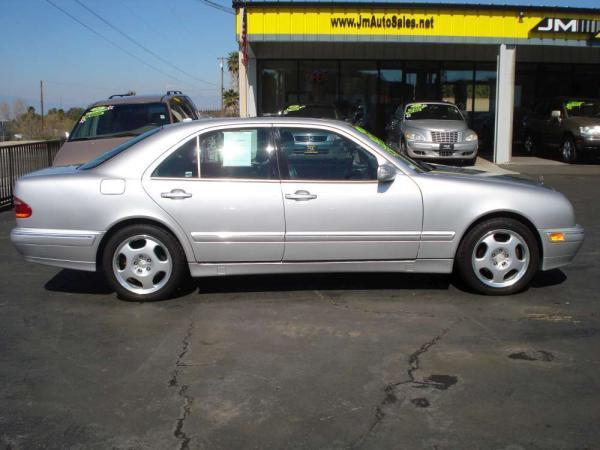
494, 61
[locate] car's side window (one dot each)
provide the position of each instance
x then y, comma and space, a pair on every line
313, 154
182, 163
244, 153
178, 111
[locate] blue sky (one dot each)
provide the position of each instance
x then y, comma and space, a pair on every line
38, 42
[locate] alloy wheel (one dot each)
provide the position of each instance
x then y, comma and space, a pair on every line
142, 264
500, 258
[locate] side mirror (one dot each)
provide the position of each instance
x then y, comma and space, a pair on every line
555, 114
386, 173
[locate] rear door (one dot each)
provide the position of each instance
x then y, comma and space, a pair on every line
223, 189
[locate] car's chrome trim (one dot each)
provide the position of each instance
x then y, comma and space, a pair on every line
437, 235
41, 236
321, 236
234, 236
352, 236
64, 263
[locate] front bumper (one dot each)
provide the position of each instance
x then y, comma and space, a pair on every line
71, 249
588, 144
558, 254
431, 150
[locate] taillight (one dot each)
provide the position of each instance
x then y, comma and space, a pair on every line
22, 209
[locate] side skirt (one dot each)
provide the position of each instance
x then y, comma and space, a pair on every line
416, 266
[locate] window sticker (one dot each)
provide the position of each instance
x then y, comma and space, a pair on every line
415, 107
95, 111
572, 104
293, 108
238, 148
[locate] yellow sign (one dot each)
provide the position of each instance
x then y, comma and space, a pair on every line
389, 21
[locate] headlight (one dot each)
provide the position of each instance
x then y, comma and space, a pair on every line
411, 136
470, 136
590, 131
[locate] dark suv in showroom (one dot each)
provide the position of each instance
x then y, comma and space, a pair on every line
108, 123
569, 125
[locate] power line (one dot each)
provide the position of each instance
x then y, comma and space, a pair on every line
146, 49
217, 6
114, 43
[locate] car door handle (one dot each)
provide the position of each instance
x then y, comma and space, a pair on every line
176, 194
301, 196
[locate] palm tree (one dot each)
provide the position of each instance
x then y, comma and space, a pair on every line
233, 66
230, 101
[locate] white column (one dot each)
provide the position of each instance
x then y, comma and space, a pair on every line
505, 99
247, 86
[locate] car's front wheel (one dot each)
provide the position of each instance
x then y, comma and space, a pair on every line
499, 256
568, 152
144, 263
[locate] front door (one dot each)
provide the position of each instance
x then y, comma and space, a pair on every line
223, 189
334, 207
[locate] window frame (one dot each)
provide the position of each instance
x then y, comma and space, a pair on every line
217, 128
282, 162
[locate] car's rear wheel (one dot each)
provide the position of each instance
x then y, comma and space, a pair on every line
499, 256
144, 263
568, 152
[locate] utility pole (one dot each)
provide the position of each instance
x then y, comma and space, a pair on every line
42, 103
222, 63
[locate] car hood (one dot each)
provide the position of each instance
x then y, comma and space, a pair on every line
79, 152
482, 176
437, 125
585, 121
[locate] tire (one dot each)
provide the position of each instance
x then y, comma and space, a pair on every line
568, 151
529, 144
144, 263
403, 148
499, 256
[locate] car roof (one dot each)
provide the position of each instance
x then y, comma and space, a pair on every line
135, 99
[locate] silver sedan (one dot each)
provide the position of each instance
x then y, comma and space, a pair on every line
231, 196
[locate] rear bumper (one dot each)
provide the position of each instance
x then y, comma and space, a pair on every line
71, 249
558, 254
430, 150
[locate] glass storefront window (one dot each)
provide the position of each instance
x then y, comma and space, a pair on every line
358, 99
457, 85
279, 85
422, 79
318, 82
391, 92
484, 103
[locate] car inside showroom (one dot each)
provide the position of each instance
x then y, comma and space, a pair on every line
495, 62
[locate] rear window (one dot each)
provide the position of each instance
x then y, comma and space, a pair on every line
118, 149
108, 121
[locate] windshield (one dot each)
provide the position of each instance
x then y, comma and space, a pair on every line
582, 108
414, 165
313, 111
432, 111
118, 149
119, 120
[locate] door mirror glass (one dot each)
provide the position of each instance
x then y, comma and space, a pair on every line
386, 173
555, 114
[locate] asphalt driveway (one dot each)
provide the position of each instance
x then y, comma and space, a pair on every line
324, 361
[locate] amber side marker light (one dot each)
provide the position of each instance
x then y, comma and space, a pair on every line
556, 237
22, 209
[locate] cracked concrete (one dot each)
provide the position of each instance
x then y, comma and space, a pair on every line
303, 362
179, 432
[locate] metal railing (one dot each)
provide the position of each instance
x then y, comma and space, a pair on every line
19, 159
